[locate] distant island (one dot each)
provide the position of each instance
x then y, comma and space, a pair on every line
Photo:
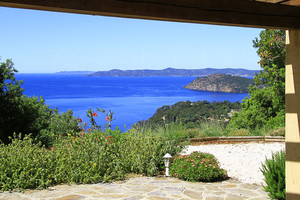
176, 72
221, 83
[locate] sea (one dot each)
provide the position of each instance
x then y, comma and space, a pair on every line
132, 99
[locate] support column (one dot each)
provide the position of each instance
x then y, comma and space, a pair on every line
292, 114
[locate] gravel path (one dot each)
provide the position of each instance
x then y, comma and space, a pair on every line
242, 161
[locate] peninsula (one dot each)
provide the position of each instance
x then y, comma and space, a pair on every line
221, 83
176, 72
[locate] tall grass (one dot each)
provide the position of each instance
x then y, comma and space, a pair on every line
177, 131
211, 129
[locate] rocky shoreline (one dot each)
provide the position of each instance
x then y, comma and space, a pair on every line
221, 83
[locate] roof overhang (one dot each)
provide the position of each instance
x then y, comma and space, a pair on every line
247, 13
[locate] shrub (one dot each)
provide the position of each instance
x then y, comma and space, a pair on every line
274, 173
28, 115
60, 125
23, 164
142, 152
85, 158
197, 167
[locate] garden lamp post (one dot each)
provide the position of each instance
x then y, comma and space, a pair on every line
167, 158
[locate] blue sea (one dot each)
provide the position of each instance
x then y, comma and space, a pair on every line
130, 98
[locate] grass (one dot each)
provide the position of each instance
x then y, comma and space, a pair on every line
176, 131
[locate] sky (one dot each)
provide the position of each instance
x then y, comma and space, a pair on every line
47, 42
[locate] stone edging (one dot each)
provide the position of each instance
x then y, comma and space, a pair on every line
234, 139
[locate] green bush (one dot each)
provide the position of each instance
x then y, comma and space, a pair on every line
197, 167
28, 115
85, 158
142, 152
88, 158
59, 125
258, 111
23, 164
274, 173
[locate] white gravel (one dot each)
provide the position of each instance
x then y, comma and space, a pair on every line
242, 161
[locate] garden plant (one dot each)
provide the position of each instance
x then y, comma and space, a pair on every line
88, 157
274, 172
197, 167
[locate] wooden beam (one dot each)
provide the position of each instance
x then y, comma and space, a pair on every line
219, 12
293, 2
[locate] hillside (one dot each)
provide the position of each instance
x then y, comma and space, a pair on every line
175, 72
221, 83
191, 112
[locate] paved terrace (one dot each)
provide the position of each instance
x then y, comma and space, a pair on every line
151, 188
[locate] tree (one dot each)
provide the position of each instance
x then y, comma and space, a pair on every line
18, 113
11, 93
271, 49
265, 107
258, 111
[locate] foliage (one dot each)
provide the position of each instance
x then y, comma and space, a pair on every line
197, 167
85, 158
172, 131
60, 125
9, 86
278, 132
256, 110
266, 106
9, 98
239, 132
211, 129
142, 152
271, 49
274, 173
91, 115
24, 164
190, 113
29, 115
19, 113
109, 116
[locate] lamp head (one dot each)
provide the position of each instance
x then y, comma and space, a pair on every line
167, 158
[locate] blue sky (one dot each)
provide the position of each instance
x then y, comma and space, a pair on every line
43, 42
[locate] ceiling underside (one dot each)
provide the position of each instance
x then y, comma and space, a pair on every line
285, 2
281, 14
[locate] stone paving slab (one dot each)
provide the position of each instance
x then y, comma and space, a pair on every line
150, 188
